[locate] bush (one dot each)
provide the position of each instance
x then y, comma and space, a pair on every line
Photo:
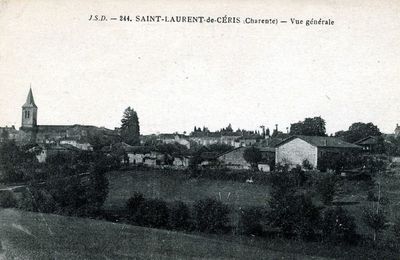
211, 216
97, 187
250, 221
338, 226
306, 217
133, 206
326, 187
299, 175
147, 212
307, 165
396, 229
37, 200
153, 213
7, 199
179, 216
295, 215
371, 196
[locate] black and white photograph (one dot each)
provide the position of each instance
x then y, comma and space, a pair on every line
207, 129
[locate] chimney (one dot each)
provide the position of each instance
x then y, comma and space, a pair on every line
276, 127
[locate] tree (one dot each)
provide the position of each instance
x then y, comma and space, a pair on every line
130, 130
4, 136
17, 163
310, 126
294, 214
375, 220
392, 146
97, 188
358, 131
253, 156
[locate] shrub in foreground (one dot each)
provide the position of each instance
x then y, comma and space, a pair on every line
211, 216
250, 221
306, 218
179, 216
153, 213
338, 226
396, 229
326, 188
147, 212
37, 200
7, 199
133, 206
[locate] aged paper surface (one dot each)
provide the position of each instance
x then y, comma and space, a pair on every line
181, 64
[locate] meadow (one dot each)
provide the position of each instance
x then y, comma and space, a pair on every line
173, 186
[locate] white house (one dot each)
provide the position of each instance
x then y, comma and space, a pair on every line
174, 138
79, 145
296, 149
181, 162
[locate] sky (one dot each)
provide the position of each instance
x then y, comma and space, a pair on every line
178, 75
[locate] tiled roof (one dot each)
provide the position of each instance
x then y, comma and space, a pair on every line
322, 141
368, 140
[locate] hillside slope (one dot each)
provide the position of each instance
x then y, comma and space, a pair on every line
28, 235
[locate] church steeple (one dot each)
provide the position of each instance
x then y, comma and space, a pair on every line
29, 111
30, 102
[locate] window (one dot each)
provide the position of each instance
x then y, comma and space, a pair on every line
27, 114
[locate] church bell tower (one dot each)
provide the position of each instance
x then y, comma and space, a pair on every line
29, 112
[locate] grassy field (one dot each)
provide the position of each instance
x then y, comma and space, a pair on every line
176, 186
27, 235
352, 195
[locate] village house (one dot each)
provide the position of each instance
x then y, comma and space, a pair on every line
234, 159
8, 133
369, 144
50, 150
209, 159
246, 141
214, 138
181, 162
84, 146
296, 149
174, 138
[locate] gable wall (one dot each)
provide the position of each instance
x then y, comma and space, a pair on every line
295, 152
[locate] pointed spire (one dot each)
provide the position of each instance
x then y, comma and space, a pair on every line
30, 102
